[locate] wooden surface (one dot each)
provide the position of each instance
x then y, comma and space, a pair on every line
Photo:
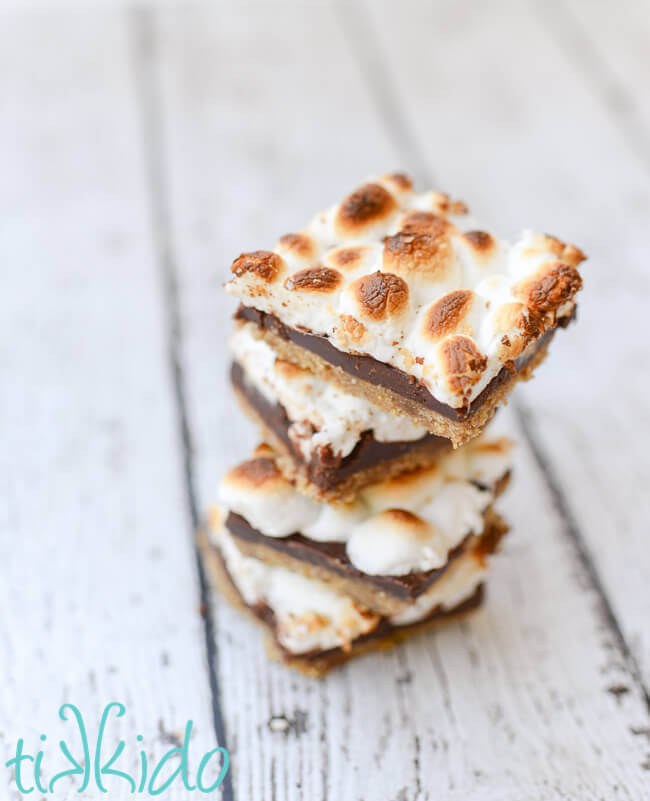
141, 149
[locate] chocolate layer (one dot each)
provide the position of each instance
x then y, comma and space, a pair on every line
375, 372
333, 557
325, 469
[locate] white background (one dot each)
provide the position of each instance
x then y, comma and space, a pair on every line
141, 150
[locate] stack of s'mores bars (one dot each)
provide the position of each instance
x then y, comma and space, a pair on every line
372, 348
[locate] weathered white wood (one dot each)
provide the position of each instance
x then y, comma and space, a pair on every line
611, 52
98, 590
521, 130
265, 112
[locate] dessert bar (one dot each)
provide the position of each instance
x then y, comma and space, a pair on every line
390, 546
330, 443
401, 299
312, 627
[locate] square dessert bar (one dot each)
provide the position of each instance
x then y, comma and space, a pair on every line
328, 442
309, 625
390, 548
401, 299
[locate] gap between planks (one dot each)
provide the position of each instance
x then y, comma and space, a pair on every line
359, 33
145, 57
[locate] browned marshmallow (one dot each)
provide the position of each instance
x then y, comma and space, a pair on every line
381, 296
314, 279
419, 254
363, 209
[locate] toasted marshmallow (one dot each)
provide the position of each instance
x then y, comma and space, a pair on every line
398, 184
457, 510
380, 304
319, 279
480, 253
364, 212
257, 491
298, 250
258, 270
460, 365
533, 249
354, 259
486, 460
315, 290
419, 221
422, 257
321, 414
390, 543
405, 524
457, 312
334, 523
407, 491
379, 297
248, 574
510, 328
394, 255
308, 614
440, 203
551, 287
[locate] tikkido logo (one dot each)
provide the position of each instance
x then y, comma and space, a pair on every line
99, 763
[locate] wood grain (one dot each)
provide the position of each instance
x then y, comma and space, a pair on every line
139, 153
99, 593
536, 696
609, 47
538, 146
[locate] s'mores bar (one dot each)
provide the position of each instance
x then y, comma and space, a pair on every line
331, 579
403, 300
312, 627
329, 443
386, 547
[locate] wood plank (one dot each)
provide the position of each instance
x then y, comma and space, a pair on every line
265, 110
533, 145
99, 594
609, 47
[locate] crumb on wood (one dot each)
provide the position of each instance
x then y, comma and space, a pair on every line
618, 690
285, 725
278, 723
